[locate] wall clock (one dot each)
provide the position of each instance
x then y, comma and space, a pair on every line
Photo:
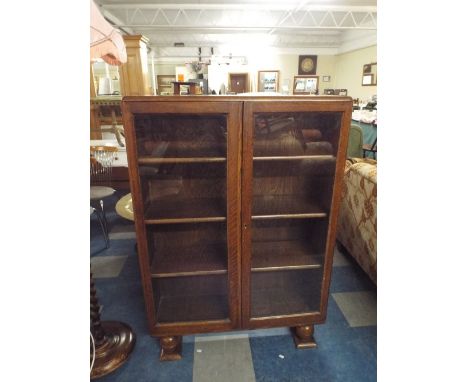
307, 65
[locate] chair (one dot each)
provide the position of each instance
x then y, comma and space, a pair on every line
101, 223
370, 148
102, 158
355, 145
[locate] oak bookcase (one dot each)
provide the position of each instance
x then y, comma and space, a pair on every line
235, 203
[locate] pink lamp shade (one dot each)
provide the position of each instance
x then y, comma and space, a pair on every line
106, 42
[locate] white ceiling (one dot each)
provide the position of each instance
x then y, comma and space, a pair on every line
295, 26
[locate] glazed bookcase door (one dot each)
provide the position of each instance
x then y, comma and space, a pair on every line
291, 154
183, 163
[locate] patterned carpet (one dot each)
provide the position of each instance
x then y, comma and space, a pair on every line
347, 342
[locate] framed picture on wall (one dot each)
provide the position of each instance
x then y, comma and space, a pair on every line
367, 79
306, 85
326, 78
307, 65
268, 80
369, 74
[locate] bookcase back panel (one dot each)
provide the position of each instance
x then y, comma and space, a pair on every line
183, 190
177, 249
188, 299
285, 292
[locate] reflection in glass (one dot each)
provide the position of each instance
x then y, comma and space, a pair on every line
179, 136
278, 134
294, 160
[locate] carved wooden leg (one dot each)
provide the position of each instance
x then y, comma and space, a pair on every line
171, 348
304, 337
113, 341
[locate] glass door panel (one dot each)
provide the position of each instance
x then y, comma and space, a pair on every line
296, 134
287, 257
197, 298
183, 168
181, 136
293, 173
191, 191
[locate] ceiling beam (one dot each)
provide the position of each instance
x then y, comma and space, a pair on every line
264, 28
322, 19
289, 14
241, 6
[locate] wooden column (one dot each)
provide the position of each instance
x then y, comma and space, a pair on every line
94, 111
134, 73
92, 86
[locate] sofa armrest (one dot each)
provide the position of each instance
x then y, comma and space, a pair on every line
365, 167
357, 222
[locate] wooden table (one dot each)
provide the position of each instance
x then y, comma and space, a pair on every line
124, 207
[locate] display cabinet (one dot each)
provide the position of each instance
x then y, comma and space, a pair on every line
235, 202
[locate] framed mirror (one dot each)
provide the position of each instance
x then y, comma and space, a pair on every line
369, 74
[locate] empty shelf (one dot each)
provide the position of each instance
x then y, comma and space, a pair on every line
284, 255
189, 261
184, 210
285, 206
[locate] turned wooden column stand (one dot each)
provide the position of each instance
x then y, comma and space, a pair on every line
114, 341
304, 336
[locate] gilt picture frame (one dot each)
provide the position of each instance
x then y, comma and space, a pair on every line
307, 65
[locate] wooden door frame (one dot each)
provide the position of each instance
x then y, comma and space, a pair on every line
288, 105
170, 105
247, 80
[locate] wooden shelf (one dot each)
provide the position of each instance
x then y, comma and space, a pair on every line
324, 158
190, 261
284, 255
169, 210
153, 160
184, 149
285, 207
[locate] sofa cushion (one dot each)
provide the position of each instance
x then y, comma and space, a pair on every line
357, 223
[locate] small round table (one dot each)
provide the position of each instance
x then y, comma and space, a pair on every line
124, 207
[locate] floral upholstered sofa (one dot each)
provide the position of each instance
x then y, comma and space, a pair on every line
357, 222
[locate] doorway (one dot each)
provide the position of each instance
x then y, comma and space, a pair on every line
238, 82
